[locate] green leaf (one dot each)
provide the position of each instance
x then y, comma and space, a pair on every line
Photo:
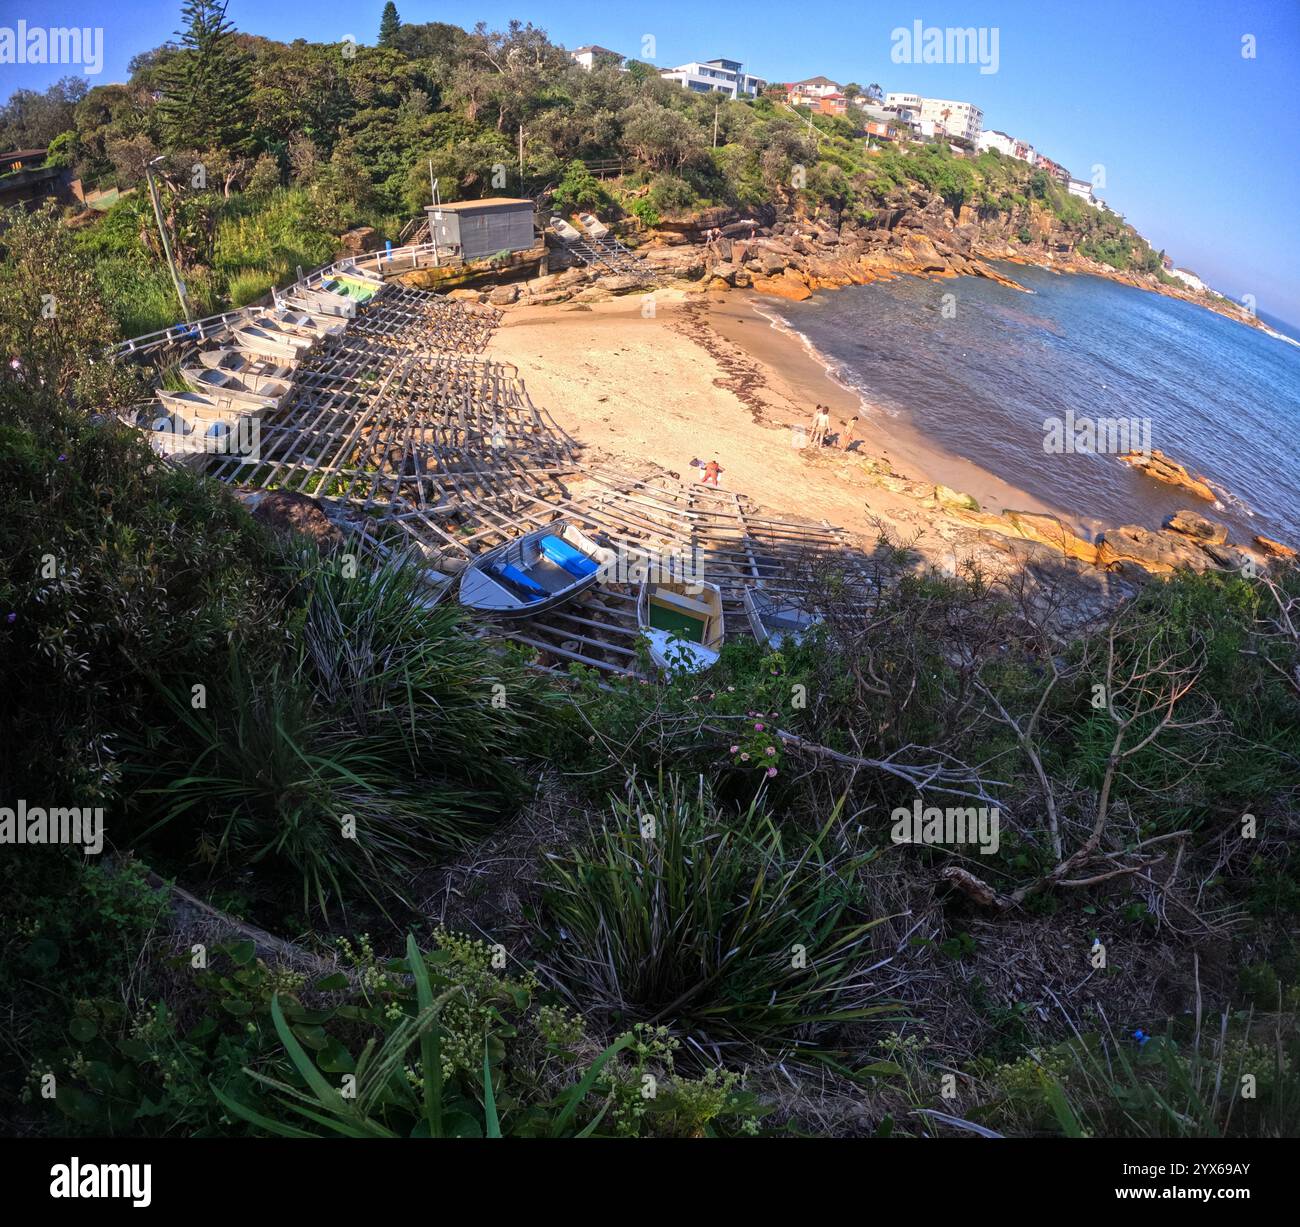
489, 1098
430, 1041
579, 1092
83, 1030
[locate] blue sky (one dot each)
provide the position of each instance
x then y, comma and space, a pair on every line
1198, 142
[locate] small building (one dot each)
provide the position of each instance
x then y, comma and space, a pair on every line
1055, 169
1190, 280
719, 76
26, 180
590, 56
1083, 190
802, 93
476, 229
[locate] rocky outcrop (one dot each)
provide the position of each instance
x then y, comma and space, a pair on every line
1160, 467
1192, 524
787, 285
1046, 530
1274, 549
1161, 553
285, 511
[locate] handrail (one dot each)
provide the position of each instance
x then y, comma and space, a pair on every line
201, 330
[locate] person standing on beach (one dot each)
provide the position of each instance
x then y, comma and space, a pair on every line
846, 435
821, 424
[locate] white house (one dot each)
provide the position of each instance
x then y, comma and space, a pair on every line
991, 138
716, 76
1007, 146
816, 87
939, 116
1083, 190
1190, 280
591, 55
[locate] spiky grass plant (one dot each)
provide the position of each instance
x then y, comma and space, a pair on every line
383, 655
675, 912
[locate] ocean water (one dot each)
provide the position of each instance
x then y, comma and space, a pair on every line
985, 373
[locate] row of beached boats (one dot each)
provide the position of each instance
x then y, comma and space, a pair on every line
681, 620
251, 370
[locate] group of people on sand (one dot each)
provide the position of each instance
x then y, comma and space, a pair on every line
821, 424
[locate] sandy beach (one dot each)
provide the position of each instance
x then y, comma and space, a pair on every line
681, 376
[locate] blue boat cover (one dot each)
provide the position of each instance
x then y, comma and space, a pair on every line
516, 579
575, 562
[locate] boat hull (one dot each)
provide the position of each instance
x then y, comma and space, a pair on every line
497, 583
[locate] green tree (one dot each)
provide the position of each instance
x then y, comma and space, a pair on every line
389, 24
206, 85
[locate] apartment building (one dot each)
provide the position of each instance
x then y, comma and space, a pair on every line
938, 116
716, 76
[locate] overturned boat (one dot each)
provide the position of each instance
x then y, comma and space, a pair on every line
252, 370
204, 411
535, 572
267, 341
319, 301
222, 385
682, 624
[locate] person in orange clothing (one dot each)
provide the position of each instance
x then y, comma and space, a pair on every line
711, 471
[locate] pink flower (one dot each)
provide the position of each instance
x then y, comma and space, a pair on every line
744, 758
771, 771
771, 749
735, 749
758, 728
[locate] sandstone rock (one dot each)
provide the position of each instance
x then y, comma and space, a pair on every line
1044, 530
550, 296
504, 295
360, 240
1159, 552
948, 497
619, 283
286, 511
1194, 525
902, 485
724, 271
1232, 558
464, 295
681, 261
1160, 467
784, 286
1274, 549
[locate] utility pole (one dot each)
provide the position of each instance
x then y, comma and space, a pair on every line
716, 105
436, 216
521, 158
166, 242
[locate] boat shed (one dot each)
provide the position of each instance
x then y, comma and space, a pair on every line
476, 229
